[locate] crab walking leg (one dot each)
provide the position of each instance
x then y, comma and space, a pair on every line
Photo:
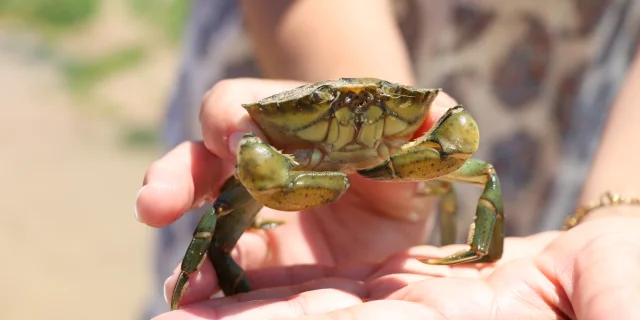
231, 278
232, 197
263, 176
447, 208
268, 175
486, 235
443, 153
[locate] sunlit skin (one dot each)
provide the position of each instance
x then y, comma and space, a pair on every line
342, 260
324, 131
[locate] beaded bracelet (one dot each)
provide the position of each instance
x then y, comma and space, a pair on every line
605, 200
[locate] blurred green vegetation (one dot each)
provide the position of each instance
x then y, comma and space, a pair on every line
59, 16
81, 74
55, 19
49, 15
167, 15
138, 137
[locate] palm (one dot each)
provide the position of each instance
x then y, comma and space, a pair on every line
349, 229
398, 279
546, 276
344, 244
353, 229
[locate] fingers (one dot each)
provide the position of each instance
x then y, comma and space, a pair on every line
203, 283
603, 280
384, 286
287, 302
183, 179
322, 299
223, 118
319, 304
407, 261
191, 174
595, 266
380, 310
609, 288
279, 276
354, 287
515, 291
381, 279
518, 288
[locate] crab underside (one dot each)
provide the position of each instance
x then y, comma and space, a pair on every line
320, 133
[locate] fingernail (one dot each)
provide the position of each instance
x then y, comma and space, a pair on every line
135, 208
235, 255
233, 141
164, 289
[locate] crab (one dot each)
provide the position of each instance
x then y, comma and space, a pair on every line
320, 133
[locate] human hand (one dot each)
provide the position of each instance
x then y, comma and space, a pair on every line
589, 272
357, 227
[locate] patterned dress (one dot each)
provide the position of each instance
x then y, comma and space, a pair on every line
538, 76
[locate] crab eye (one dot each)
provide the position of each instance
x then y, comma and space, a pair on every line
321, 94
347, 100
315, 97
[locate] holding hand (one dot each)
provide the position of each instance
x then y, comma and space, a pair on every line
537, 275
354, 228
590, 272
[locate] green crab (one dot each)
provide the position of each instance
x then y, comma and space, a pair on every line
330, 129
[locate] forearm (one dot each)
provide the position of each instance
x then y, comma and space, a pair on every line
313, 40
616, 166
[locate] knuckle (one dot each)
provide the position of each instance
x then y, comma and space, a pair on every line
218, 92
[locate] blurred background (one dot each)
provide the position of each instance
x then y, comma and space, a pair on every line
83, 86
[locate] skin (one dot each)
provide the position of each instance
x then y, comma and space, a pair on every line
280, 30
589, 272
549, 275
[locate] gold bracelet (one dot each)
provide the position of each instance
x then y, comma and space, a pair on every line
606, 200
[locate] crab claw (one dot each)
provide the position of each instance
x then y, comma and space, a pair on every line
268, 175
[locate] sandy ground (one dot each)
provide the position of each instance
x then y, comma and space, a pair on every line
70, 246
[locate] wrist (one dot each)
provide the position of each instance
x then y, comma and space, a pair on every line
627, 211
608, 205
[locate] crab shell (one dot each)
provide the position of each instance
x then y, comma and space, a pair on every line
342, 125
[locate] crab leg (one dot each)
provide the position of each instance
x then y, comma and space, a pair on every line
486, 235
263, 176
447, 208
231, 277
232, 198
268, 176
443, 153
